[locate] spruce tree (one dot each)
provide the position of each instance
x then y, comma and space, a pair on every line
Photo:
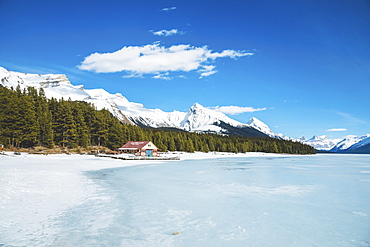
43, 117
64, 125
82, 137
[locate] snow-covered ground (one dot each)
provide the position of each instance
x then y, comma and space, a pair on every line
36, 189
254, 199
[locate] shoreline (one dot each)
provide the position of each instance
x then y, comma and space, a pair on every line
123, 161
101, 161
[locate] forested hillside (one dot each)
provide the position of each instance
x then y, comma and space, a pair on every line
28, 119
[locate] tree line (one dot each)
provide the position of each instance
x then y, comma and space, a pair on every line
29, 119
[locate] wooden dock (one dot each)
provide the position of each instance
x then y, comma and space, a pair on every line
137, 157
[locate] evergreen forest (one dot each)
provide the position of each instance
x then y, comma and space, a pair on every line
28, 119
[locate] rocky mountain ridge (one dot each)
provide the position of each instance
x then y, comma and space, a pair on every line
197, 119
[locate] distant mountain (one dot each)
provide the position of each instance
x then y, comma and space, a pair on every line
320, 142
349, 144
362, 147
353, 144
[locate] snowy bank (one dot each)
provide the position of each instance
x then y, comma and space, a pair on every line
216, 155
36, 189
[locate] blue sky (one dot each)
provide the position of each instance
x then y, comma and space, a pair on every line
302, 67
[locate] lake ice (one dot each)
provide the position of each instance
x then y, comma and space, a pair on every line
320, 200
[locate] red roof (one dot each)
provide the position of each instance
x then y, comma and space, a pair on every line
134, 145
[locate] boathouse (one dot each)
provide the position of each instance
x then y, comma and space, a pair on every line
140, 148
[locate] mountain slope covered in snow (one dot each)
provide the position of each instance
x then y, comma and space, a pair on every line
353, 144
196, 119
349, 144
321, 142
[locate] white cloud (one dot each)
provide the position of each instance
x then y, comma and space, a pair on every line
167, 32
156, 59
168, 9
207, 70
163, 76
207, 73
133, 75
339, 129
235, 110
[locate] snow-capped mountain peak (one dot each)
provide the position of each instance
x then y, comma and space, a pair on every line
351, 142
199, 118
318, 138
365, 141
301, 139
321, 142
261, 126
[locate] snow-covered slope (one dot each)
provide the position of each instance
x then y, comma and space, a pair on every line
197, 119
55, 85
58, 86
261, 126
350, 143
320, 142
362, 147
365, 141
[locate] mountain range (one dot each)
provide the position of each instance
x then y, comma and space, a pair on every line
197, 119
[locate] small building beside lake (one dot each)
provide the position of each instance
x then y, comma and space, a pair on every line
140, 148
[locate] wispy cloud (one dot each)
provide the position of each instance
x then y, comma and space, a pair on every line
236, 110
168, 9
350, 118
156, 59
30, 69
163, 76
207, 70
338, 129
167, 32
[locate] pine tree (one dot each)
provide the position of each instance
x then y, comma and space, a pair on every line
43, 117
64, 125
171, 144
82, 138
7, 100
27, 125
99, 127
115, 134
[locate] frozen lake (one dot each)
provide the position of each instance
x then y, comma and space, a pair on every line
321, 200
